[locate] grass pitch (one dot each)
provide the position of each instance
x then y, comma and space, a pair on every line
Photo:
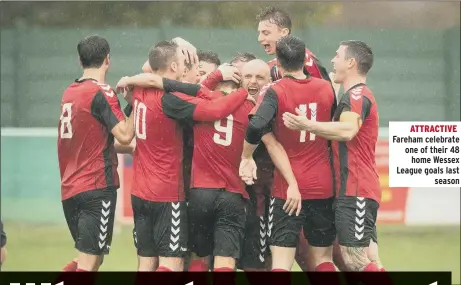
33, 247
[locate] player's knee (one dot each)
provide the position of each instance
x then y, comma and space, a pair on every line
355, 258
3, 255
172, 263
88, 262
283, 257
147, 264
224, 262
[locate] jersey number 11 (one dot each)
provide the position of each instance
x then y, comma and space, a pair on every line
313, 109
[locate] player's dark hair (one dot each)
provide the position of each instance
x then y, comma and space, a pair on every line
209, 56
361, 52
275, 16
161, 55
92, 51
290, 52
243, 57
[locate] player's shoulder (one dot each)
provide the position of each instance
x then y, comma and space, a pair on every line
359, 91
105, 89
267, 87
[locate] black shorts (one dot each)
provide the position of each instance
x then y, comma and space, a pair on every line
255, 246
355, 219
2, 235
216, 222
316, 219
160, 228
90, 218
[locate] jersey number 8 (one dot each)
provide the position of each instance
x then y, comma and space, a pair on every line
313, 110
66, 126
226, 130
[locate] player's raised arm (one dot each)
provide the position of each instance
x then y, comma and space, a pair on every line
187, 108
106, 109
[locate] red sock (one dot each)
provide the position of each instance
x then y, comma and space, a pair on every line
326, 267
279, 270
371, 267
163, 269
198, 265
70, 267
382, 270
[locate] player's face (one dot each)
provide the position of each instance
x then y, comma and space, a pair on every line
341, 65
206, 68
269, 34
254, 79
192, 75
178, 66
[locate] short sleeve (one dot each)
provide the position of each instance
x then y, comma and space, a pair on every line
106, 108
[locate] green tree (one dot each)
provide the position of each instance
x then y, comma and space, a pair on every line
146, 14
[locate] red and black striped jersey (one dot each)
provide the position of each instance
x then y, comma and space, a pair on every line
354, 160
159, 115
86, 154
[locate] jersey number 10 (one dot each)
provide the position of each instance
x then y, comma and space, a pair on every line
140, 119
313, 109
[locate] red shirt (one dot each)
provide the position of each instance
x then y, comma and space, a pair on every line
217, 150
354, 161
86, 154
308, 154
158, 157
312, 66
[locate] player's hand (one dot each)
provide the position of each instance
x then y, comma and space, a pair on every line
293, 203
296, 122
251, 98
187, 49
128, 95
229, 72
247, 170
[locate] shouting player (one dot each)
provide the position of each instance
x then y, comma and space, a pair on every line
355, 132
255, 74
309, 156
157, 193
90, 119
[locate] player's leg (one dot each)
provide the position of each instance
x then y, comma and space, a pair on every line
71, 214
143, 234
302, 256
372, 250
201, 221
230, 209
355, 219
283, 232
170, 235
95, 226
319, 229
2, 245
255, 247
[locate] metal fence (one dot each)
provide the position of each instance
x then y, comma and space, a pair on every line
415, 75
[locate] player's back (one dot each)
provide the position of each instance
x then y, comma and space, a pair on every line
157, 159
308, 154
217, 150
87, 158
357, 157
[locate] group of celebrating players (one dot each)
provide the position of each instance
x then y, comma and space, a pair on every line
278, 165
